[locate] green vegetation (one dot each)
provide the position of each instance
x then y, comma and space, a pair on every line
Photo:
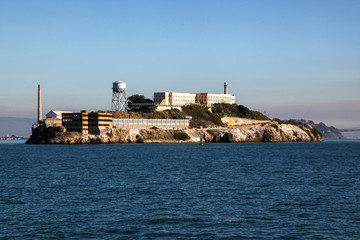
181, 136
316, 133
138, 99
245, 112
238, 111
202, 116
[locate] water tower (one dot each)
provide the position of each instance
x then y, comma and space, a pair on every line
119, 101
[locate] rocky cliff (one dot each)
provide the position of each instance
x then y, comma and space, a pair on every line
269, 132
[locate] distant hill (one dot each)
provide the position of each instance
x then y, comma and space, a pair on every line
16, 126
327, 132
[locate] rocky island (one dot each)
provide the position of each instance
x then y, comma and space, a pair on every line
220, 123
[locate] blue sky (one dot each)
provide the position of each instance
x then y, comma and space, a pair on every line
290, 59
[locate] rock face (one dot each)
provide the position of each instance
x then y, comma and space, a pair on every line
329, 132
261, 133
270, 132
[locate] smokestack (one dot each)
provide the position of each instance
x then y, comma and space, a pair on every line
225, 88
39, 105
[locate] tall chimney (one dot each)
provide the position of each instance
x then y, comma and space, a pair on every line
39, 105
225, 88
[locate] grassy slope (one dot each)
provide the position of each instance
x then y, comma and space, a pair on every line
201, 115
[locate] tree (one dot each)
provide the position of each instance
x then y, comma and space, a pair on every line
138, 99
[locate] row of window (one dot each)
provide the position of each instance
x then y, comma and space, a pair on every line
150, 121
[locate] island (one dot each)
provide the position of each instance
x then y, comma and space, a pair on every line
222, 122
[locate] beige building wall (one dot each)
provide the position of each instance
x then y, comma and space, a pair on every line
212, 98
162, 98
53, 122
181, 99
174, 98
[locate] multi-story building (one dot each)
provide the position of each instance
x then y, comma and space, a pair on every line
87, 123
174, 98
76, 122
100, 122
181, 99
161, 98
212, 98
54, 118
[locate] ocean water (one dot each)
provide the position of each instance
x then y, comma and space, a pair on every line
180, 191
351, 134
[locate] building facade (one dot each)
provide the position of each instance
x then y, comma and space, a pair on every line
87, 123
174, 98
150, 123
53, 122
212, 98
100, 122
76, 122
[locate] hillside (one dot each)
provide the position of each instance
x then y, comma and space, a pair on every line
327, 132
202, 116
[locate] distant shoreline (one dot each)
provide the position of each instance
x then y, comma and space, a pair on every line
355, 134
13, 138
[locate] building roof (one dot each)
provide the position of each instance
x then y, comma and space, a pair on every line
58, 112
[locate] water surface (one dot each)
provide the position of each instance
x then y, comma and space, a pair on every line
181, 191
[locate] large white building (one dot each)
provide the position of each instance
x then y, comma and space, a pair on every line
181, 99
174, 98
212, 98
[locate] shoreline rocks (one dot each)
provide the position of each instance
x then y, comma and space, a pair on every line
269, 132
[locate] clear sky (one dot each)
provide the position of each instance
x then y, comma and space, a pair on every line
290, 59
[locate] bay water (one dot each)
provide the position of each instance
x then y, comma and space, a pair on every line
180, 191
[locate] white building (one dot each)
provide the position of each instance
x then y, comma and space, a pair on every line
181, 99
212, 98
56, 114
174, 98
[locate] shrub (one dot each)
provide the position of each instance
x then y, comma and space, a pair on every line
181, 136
196, 111
316, 133
216, 119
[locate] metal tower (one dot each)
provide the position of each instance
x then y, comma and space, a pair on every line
119, 100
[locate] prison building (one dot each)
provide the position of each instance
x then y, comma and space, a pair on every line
100, 122
211, 98
150, 123
174, 98
76, 122
54, 118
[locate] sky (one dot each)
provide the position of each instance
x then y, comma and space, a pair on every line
290, 59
